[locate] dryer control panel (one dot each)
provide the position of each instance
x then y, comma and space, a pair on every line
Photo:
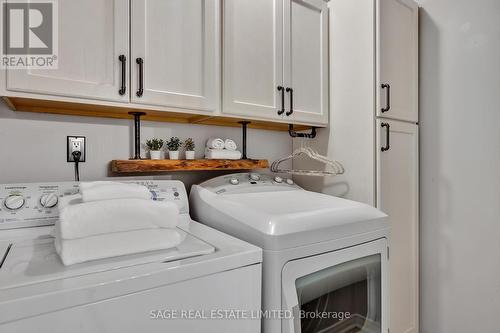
36, 204
248, 182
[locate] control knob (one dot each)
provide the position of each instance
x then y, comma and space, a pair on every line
234, 181
14, 202
289, 181
278, 179
254, 176
49, 200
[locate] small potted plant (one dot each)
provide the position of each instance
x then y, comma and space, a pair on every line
189, 146
154, 146
173, 146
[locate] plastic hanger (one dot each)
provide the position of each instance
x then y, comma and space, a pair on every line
335, 167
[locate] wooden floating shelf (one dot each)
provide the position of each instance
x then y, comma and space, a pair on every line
138, 166
121, 112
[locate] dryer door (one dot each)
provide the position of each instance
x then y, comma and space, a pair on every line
337, 292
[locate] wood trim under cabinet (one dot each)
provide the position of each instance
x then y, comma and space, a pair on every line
91, 110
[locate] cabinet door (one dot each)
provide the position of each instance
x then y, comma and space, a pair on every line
253, 58
306, 60
398, 59
397, 196
178, 42
92, 36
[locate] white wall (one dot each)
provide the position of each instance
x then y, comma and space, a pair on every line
350, 136
33, 146
460, 166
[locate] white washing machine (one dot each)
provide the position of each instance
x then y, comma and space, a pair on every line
184, 289
325, 258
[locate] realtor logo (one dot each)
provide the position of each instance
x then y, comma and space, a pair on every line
29, 34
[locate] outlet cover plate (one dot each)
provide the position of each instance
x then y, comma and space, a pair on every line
76, 143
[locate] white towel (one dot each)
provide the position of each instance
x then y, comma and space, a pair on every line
222, 154
215, 143
95, 191
77, 220
230, 145
79, 250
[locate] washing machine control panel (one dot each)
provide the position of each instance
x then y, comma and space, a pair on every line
248, 182
35, 204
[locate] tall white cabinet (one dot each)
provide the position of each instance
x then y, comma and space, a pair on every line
397, 166
276, 59
374, 131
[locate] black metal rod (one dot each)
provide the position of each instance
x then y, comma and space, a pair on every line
244, 125
137, 133
294, 134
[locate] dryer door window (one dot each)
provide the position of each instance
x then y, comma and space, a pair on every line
342, 298
342, 291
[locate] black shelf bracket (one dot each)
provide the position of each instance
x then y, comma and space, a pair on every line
244, 125
137, 133
294, 134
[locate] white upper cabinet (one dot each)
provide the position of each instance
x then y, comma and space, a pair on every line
250, 59
92, 36
177, 44
306, 60
398, 60
276, 60
253, 58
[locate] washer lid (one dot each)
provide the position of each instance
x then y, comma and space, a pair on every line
273, 220
34, 261
33, 281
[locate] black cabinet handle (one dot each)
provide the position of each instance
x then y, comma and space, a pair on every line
123, 60
387, 137
140, 91
387, 88
290, 90
280, 112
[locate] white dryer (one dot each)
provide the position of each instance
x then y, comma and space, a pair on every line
189, 288
325, 258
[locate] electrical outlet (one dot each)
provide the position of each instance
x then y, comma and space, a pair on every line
75, 143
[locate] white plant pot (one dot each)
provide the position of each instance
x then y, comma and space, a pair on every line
173, 155
189, 154
155, 154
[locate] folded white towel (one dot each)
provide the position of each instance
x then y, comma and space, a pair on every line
215, 143
77, 219
95, 191
230, 145
222, 154
79, 250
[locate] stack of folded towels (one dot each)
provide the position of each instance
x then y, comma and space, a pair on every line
108, 219
218, 148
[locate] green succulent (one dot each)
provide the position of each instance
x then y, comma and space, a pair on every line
174, 143
154, 144
189, 144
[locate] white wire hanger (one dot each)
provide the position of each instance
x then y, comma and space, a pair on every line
336, 168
